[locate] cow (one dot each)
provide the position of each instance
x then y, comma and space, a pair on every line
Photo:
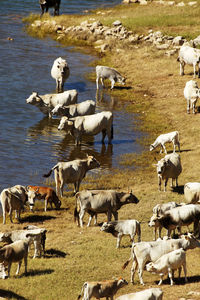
14, 198
192, 192
60, 72
171, 137
36, 237
191, 56
15, 252
168, 263
80, 109
148, 294
123, 227
145, 252
46, 4
101, 201
46, 193
43, 235
178, 217
103, 72
89, 125
191, 93
168, 167
101, 289
158, 210
46, 103
72, 172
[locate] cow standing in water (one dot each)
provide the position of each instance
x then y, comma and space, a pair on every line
46, 4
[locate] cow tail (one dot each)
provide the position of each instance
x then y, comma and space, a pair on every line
139, 232
178, 58
132, 256
76, 213
82, 290
48, 174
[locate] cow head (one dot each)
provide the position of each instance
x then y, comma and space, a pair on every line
34, 98
122, 80
42, 2
62, 66
5, 237
66, 124
154, 221
32, 196
191, 241
92, 162
129, 198
121, 282
150, 267
162, 165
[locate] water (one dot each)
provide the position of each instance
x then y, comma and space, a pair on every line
29, 143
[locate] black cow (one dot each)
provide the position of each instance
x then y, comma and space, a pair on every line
45, 4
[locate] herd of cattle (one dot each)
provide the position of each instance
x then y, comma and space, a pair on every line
162, 256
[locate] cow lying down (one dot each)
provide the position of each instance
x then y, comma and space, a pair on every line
168, 263
120, 228
149, 294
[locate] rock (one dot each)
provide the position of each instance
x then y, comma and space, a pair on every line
192, 3
117, 23
162, 47
193, 293
170, 52
196, 41
178, 41
180, 4
143, 2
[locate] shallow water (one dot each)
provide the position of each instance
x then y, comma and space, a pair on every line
29, 143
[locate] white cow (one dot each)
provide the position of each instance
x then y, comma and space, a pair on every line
101, 289
15, 252
72, 172
190, 56
36, 237
168, 167
168, 263
14, 198
149, 294
80, 109
192, 192
89, 125
191, 93
46, 103
60, 72
144, 252
103, 72
171, 137
123, 227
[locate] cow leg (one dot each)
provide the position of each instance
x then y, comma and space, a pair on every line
159, 183
194, 69
188, 106
18, 267
81, 215
170, 276
95, 219
109, 216
115, 214
90, 219
119, 239
182, 65
133, 269
10, 214
140, 271
9, 267
97, 82
4, 214
165, 184
103, 135
185, 271
112, 83
102, 82
159, 231
161, 279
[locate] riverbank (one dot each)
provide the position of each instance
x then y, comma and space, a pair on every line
154, 90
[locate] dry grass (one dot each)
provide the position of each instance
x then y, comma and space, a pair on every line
75, 255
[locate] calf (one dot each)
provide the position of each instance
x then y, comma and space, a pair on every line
60, 72
120, 228
47, 194
169, 263
46, 4
15, 252
149, 294
171, 137
101, 289
114, 76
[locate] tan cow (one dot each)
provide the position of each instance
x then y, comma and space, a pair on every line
101, 289
72, 172
15, 252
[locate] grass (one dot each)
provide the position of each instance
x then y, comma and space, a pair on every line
75, 255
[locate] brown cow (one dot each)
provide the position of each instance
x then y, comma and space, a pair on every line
47, 194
